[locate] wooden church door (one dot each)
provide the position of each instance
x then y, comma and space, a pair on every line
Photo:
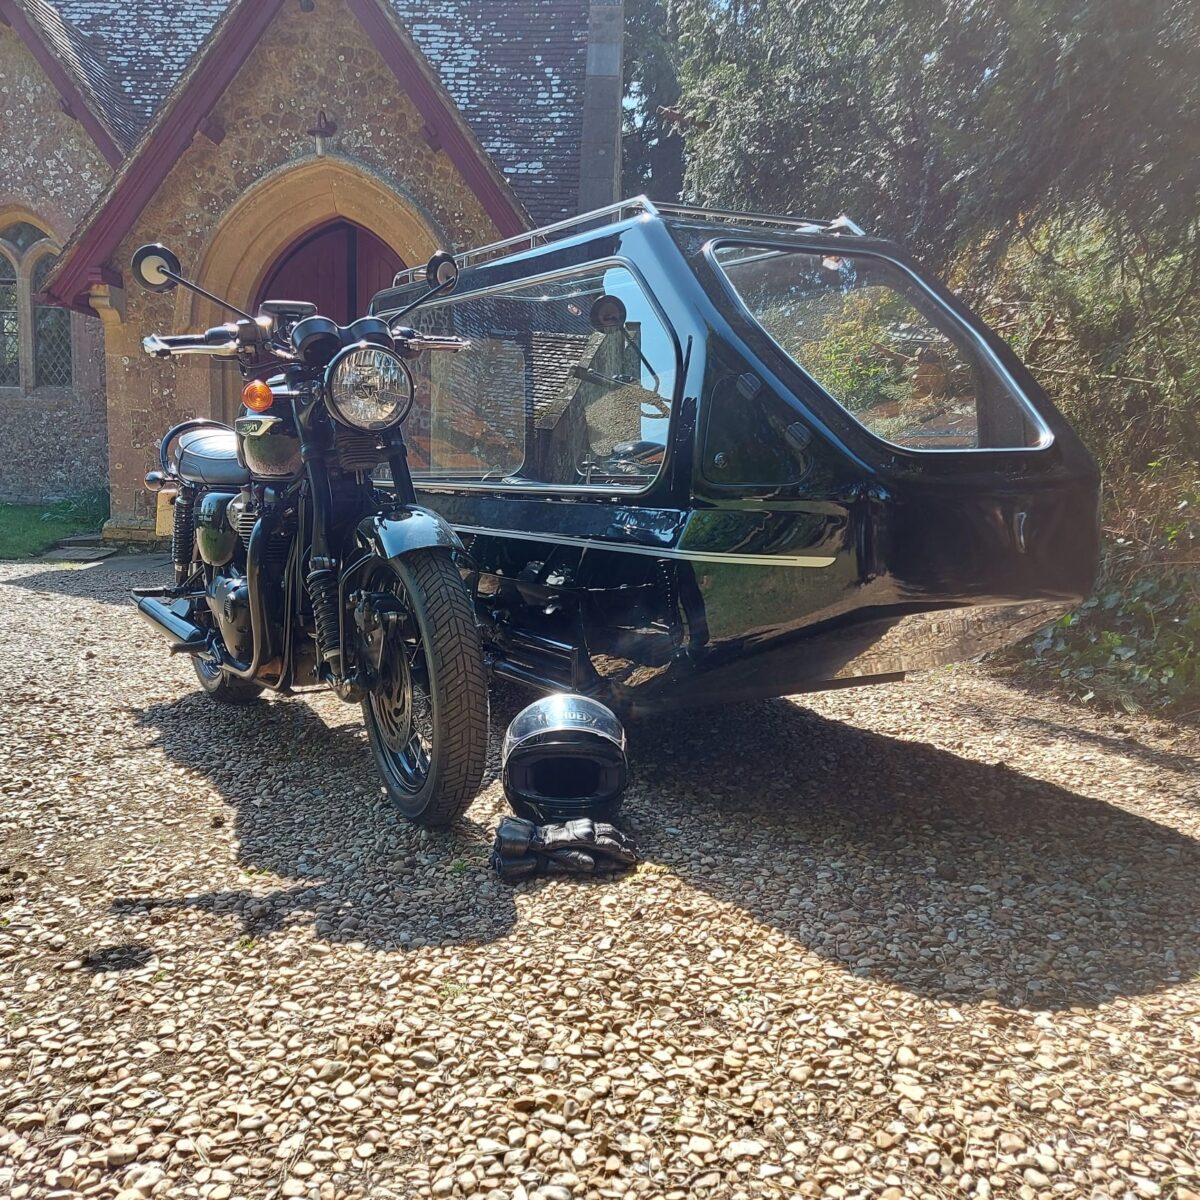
338, 266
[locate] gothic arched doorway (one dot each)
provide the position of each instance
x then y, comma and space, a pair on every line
338, 266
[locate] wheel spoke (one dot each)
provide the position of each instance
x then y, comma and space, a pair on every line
401, 706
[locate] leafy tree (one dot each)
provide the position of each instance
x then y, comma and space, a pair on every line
1044, 155
652, 150
946, 123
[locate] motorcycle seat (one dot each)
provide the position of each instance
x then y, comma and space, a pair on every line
208, 455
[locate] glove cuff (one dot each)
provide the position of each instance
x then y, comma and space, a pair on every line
515, 837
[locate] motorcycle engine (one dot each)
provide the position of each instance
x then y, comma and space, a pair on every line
229, 602
228, 594
242, 514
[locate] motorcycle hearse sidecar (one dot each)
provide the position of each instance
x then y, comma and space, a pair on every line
702, 456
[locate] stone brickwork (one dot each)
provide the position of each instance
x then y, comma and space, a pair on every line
52, 440
305, 62
255, 179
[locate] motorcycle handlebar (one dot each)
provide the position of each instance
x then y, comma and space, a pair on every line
221, 340
409, 342
451, 345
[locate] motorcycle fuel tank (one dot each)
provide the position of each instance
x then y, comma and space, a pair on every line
269, 445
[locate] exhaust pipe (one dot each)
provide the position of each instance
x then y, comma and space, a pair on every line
183, 635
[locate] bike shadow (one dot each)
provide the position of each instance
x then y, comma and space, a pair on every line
106, 581
946, 877
307, 808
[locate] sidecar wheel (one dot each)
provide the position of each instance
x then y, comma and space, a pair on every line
224, 688
428, 719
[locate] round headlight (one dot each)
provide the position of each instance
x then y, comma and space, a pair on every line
369, 388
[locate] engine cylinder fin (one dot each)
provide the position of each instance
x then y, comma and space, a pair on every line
358, 450
246, 520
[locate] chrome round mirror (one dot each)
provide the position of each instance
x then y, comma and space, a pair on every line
607, 312
151, 265
442, 271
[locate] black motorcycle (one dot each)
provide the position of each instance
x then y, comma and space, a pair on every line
295, 567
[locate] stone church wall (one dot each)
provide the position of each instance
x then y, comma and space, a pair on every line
53, 441
307, 62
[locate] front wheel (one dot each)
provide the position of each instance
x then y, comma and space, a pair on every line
427, 719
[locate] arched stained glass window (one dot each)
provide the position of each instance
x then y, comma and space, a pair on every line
22, 235
10, 326
51, 335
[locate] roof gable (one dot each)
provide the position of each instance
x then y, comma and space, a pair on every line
517, 72
79, 70
148, 43
206, 80
515, 69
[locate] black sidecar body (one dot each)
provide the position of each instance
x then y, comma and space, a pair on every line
700, 456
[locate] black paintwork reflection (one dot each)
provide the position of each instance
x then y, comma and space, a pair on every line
783, 548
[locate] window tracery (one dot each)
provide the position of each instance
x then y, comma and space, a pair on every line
35, 339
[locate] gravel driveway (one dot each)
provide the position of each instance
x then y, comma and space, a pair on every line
934, 939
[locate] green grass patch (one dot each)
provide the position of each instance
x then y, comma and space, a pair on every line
27, 530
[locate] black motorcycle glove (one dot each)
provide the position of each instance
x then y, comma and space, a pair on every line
582, 847
604, 843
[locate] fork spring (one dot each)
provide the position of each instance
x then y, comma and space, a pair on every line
323, 591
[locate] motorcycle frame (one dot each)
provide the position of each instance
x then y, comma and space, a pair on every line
400, 527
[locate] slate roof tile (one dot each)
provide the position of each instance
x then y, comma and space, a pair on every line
515, 69
98, 83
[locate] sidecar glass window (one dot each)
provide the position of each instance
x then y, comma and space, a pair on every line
873, 339
567, 382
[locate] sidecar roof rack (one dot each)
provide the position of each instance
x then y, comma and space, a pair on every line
624, 210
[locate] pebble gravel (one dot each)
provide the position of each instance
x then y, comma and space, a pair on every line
939, 939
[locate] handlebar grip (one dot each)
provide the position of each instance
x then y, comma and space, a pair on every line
177, 341
220, 340
451, 344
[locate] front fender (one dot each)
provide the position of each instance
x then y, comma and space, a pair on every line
402, 530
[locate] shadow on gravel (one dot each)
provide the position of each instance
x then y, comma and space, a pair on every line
307, 807
1126, 745
901, 862
897, 861
107, 581
128, 956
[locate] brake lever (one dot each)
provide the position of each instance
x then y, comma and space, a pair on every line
159, 347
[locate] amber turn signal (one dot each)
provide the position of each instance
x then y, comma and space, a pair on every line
257, 396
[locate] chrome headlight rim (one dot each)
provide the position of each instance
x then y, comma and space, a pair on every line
392, 413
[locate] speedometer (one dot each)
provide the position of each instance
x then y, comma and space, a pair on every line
369, 387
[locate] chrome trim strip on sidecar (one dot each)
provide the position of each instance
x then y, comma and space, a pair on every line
742, 560
625, 210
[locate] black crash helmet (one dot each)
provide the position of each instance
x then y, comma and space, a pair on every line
564, 757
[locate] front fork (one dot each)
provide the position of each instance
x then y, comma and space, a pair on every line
374, 616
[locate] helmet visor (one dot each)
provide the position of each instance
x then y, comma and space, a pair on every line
561, 713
